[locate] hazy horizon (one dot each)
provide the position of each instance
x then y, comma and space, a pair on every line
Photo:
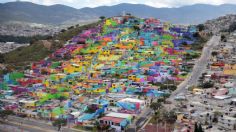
95, 3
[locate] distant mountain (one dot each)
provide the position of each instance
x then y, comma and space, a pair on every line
193, 14
57, 14
30, 12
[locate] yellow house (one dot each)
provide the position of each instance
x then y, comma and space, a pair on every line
88, 57
73, 68
132, 77
182, 118
66, 94
230, 69
197, 90
108, 22
28, 103
106, 52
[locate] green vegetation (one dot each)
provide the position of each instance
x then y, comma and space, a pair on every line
2, 60
5, 113
167, 85
24, 55
191, 56
223, 38
200, 27
21, 39
199, 44
66, 35
21, 57
207, 85
155, 106
198, 128
102, 17
59, 123
234, 116
164, 116
170, 116
214, 53
232, 28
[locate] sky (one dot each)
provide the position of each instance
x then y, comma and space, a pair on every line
155, 3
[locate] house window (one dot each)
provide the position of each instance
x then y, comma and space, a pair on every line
106, 122
101, 121
228, 124
112, 123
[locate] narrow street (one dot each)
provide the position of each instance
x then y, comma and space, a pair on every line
198, 69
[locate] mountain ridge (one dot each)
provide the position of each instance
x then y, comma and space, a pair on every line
58, 14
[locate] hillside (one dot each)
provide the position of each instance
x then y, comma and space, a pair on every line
21, 57
223, 23
59, 14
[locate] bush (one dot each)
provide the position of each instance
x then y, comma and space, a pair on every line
2, 60
208, 85
168, 87
5, 113
201, 27
59, 123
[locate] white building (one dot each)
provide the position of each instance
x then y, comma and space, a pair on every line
227, 122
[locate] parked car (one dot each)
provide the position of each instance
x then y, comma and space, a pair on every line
209, 127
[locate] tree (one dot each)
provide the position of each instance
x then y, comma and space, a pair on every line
59, 123
101, 127
5, 113
102, 17
128, 14
208, 85
63, 30
201, 27
136, 27
2, 60
232, 27
170, 117
155, 106
71, 27
216, 116
61, 98
200, 128
160, 100
223, 38
196, 127
196, 35
214, 53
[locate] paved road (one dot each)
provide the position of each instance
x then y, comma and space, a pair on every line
7, 127
140, 121
34, 125
198, 69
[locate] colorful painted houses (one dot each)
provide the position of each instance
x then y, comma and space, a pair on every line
115, 58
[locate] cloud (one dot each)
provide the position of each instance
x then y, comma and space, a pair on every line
155, 3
